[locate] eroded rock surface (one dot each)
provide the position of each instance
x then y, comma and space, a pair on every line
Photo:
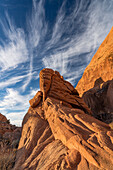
100, 100
9, 134
3, 118
59, 131
101, 66
7, 129
9, 140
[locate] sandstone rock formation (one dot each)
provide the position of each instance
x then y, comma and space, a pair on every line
101, 66
8, 133
5, 126
3, 118
9, 140
100, 100
59, 131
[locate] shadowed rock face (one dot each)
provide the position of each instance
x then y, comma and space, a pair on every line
9, 134
6, 127
100, 100
101, 65
59, 131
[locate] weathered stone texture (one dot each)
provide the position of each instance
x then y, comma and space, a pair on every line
59, 131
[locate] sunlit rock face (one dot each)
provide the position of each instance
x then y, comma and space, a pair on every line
59, 131
100, 67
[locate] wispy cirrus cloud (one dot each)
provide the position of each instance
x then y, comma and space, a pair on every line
19, 47
73, 52
17, 53
37, 29
13, 99
57, 31
73, 41
37, 25
14, 80
15, 105
13, 50
66, 46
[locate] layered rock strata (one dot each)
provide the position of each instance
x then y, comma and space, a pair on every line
59, 131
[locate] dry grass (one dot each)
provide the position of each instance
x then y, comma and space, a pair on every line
7, 159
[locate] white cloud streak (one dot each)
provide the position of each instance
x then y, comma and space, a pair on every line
57, 31
15, 105
14, 100
93, 33
19, 48
36, 24
73, 41
37, 29
15, 80
14, 50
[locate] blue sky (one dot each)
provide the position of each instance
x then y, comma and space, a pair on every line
34, 34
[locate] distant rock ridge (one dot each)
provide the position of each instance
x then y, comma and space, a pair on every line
5, 125
9, 140
3, 118
8, 133
59, 131
101, 66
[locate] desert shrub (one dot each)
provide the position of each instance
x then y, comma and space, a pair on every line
7, 159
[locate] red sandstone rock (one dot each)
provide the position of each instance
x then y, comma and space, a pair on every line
9, 134
100, 67
5, 126
59, 132
3, 118
36, 99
